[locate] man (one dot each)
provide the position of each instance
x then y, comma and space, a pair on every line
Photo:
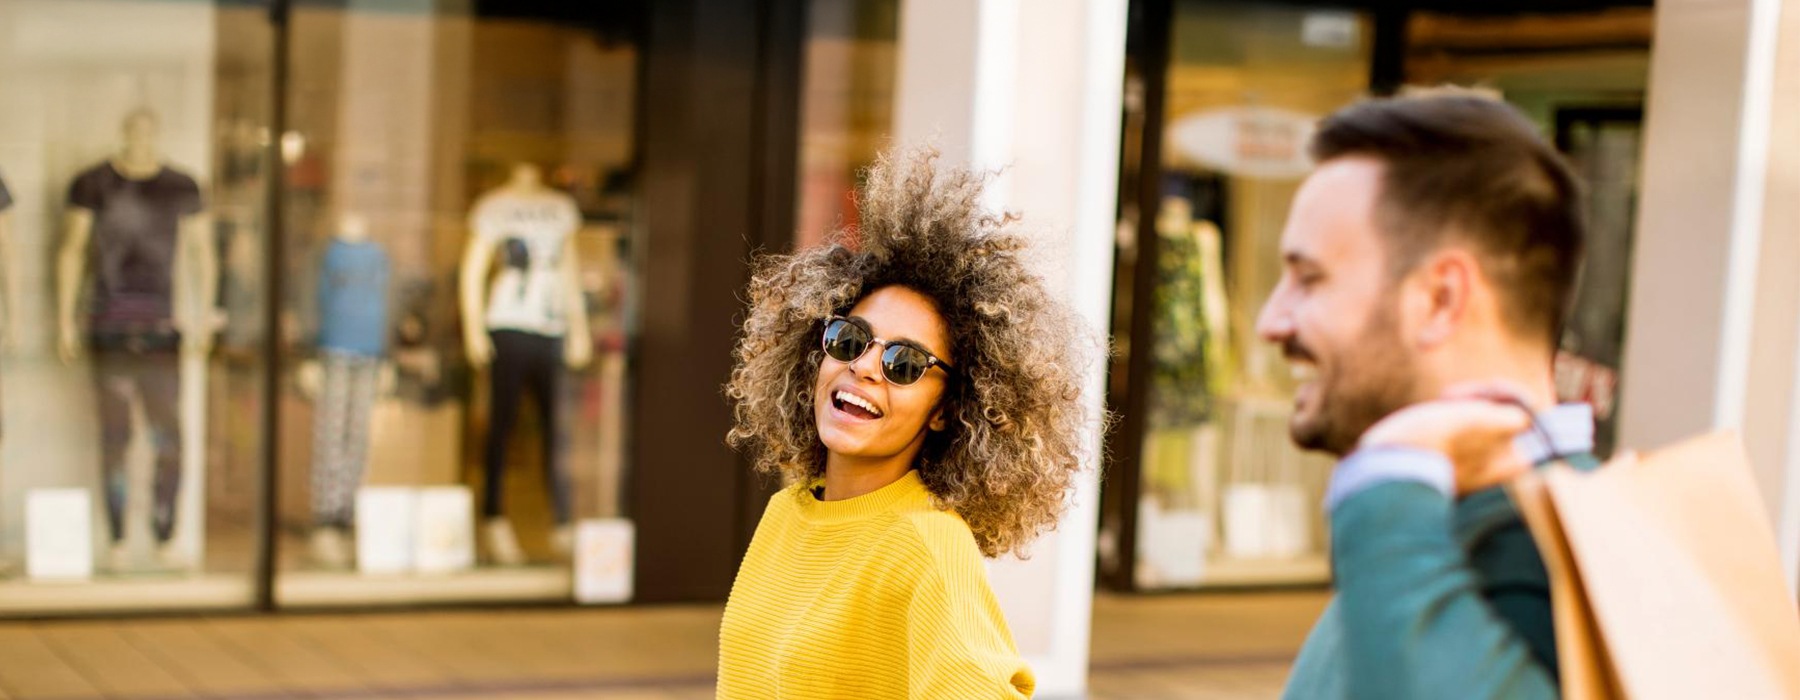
1428, 264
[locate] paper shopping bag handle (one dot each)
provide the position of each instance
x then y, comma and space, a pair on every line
1551, 452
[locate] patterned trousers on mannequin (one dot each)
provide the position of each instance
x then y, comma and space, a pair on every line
148, 365
341, 434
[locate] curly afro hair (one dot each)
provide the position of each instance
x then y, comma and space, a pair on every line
1014, 410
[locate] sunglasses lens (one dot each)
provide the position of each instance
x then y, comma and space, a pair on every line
845, 341
903, 365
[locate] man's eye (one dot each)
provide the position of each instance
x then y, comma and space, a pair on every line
1308, 279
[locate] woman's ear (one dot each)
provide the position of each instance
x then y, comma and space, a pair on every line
937, 423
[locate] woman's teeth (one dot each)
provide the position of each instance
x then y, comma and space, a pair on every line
858, 402
1303, 372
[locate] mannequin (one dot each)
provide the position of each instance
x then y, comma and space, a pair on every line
528, 326
345, 379
136, 225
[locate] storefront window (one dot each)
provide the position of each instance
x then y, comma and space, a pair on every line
1226, 499
846, 107
456, 312
133, 143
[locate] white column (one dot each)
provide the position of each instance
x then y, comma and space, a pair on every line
1035, 87
1713, 339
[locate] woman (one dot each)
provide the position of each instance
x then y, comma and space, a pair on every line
919, 391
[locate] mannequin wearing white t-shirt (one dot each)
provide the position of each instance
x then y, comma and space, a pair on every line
524, 327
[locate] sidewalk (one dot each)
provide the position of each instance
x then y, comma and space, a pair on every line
1145, 648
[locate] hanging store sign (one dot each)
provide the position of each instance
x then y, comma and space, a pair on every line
1255, 142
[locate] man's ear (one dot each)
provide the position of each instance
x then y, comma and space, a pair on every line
1446, 286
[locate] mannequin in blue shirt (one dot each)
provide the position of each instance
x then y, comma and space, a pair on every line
345, 379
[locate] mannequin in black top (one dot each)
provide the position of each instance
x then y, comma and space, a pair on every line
135, 224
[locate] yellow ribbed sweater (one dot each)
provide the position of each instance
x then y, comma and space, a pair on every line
878, 596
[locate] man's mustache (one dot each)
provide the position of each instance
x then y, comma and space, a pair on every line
1294, 351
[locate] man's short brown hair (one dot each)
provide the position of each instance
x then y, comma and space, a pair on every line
1469, 169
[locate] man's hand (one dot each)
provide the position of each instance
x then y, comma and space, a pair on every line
1475, 433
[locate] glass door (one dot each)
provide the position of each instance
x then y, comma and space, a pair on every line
1225, 499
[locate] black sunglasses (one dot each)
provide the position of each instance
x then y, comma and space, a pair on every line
846, 339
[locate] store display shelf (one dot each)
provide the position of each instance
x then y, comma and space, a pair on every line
107, 594
1226, 572
320, 589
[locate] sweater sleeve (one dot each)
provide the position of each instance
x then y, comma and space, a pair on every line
1416, 622
958, 644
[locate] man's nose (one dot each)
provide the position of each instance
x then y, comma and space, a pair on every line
1275, 323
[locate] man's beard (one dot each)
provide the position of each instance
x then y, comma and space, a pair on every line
1369, 380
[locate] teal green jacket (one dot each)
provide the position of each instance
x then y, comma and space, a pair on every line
1435, 599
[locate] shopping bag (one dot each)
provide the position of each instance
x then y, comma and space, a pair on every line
1665, 577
